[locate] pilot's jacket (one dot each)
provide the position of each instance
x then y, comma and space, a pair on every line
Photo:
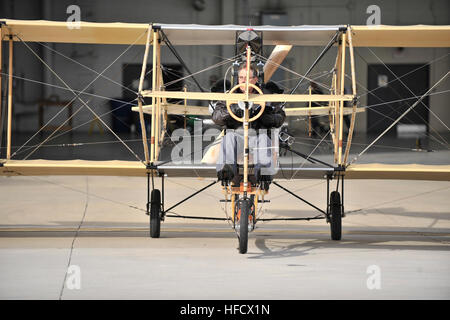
272, 117
259, 142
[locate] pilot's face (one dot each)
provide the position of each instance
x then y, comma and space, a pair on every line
243, 77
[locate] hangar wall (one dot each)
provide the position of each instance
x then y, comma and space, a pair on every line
322, 12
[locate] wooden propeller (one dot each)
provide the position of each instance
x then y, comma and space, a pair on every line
277, 56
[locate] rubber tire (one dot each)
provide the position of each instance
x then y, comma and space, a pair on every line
155, 214
335, 216
243, 226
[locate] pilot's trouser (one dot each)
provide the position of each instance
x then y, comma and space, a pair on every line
232, 151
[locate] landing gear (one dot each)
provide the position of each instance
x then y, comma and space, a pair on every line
243, 215
155, 214
243, 226
335, 208
155, 204
335, 216
244, 220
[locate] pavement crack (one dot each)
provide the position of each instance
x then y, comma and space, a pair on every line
75, 237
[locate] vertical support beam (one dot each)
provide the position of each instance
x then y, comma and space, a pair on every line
247, 80
246, 117
158, 100
309, 114
328, 198
148, 193
331, 114
352, 123
341, 103
141, 82
154, 87
1, 77
162, 192
185, 109
10, 88
162, 112
337, 89
246, 148
342, 197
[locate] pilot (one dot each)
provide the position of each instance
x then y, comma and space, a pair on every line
232, 145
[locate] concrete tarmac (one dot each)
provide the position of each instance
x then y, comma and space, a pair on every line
87, 238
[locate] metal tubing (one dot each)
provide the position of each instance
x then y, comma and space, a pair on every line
162, 189
293, 194
310, 159
148, 193
197, 192
175, 53
328, 196
324, 51
342, 197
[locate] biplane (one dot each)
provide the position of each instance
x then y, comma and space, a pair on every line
243, 199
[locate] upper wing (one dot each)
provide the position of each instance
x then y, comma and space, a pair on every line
88, 32
127, 33
401, 36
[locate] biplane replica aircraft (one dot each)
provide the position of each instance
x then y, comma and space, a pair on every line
244, 198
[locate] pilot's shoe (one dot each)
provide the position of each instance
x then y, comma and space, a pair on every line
236, 182
226, 174
259, 174
252, 179
265, 181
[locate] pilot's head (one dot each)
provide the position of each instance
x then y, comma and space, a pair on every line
242, 77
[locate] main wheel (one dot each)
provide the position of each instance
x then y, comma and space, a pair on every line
335, 216
243, 225
155, 214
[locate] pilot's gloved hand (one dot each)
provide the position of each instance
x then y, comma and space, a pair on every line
255, 110
273, 116
269, 108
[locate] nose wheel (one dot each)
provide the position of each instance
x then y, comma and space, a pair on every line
244, 221
244, 209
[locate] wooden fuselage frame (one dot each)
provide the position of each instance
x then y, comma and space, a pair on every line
336, 98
